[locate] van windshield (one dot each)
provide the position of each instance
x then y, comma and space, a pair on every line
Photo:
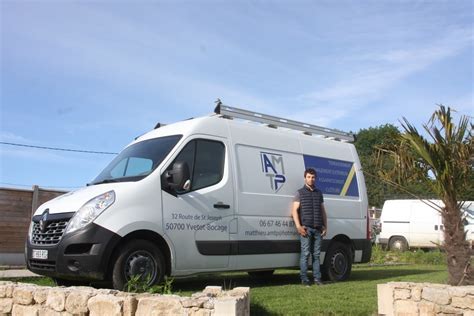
138, 160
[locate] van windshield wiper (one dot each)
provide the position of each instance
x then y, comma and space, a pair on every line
105, 181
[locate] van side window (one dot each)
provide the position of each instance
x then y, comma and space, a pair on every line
205, 159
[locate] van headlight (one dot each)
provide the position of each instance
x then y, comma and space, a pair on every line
30, 230
89, 211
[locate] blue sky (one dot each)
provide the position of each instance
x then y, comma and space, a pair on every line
94, 74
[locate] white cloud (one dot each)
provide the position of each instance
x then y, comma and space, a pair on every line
379, 72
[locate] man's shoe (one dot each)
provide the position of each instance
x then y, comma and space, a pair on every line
305, 283
318, 282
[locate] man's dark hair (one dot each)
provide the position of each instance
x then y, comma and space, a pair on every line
310, 171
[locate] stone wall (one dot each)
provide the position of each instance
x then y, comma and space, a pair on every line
26, 299
406, 298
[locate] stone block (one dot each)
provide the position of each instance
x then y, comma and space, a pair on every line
416, 293
6, 305
463, 302
427, 308
243, 299
76, 302
225, 306
22, 310
213, 290
130, 304
459, 291
57, 299
189, 302
105, 305
439, 296
194, 302
450, 310
209, 304
23, 295
45, 311
200, 312
385, 299
403, 307
41, 294
470, 289
400, 285
161, 305
6, 290
401, 294
107, 292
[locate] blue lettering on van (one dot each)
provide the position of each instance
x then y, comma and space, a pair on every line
273, 168
336, 177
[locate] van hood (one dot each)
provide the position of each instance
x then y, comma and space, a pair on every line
74, 200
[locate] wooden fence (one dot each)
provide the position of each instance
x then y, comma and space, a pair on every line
16, 209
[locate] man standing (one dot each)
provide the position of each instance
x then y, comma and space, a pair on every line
311, 222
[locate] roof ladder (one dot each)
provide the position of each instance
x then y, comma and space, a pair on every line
274, 121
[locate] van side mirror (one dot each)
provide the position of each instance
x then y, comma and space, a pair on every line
178, 177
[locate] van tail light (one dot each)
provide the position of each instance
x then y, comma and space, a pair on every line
368, 226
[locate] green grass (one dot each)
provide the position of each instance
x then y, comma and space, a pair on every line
282, 294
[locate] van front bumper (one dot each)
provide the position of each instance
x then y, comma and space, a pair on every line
81, 255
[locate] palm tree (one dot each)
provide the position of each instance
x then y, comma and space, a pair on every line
445, 164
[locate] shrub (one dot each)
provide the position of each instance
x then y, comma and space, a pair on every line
416, 256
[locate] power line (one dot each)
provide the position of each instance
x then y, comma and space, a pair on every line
60, 149
41, 186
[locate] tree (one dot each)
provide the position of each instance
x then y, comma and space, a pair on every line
444, 163
378, 190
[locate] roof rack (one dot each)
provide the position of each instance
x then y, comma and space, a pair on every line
273, 121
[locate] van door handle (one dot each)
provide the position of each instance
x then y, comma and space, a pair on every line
436, 227
221, 205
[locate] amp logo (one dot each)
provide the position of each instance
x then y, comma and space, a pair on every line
274, 169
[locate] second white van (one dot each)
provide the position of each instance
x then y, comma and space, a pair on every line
414, 224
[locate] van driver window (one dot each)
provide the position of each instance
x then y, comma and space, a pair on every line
205, 159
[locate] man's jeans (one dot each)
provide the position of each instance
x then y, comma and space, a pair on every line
310, 245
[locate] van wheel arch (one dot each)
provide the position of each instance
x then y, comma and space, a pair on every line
151, 236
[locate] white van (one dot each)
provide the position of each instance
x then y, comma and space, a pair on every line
414, 224
203, 195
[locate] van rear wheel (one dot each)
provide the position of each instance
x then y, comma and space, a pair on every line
337, 262
138, 258
398, 244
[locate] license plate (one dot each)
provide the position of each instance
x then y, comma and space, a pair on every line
39, 254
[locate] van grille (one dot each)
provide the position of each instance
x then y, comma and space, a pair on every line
52, 233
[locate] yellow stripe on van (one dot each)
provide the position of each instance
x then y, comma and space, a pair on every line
348, 181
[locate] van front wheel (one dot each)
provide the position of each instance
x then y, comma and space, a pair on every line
398, 244
138, 258
337, 262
